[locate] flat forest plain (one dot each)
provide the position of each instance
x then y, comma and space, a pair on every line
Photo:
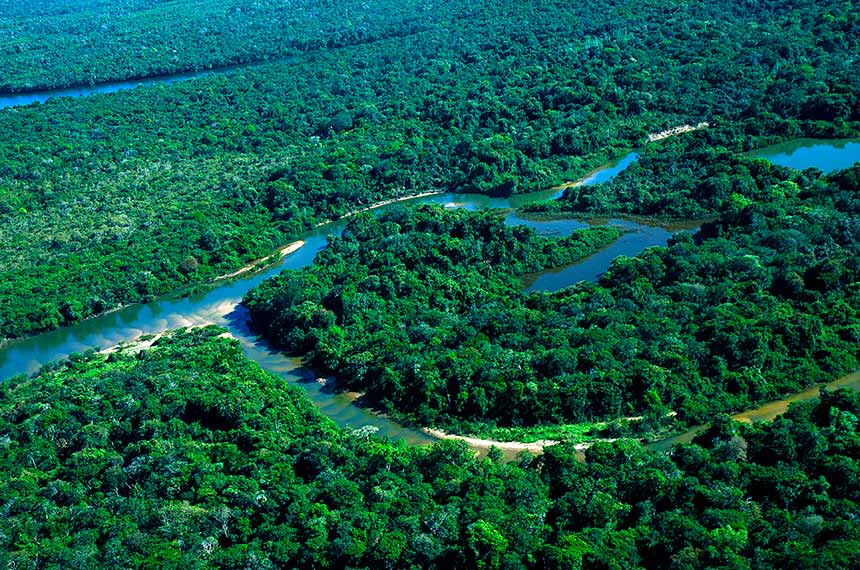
188, 455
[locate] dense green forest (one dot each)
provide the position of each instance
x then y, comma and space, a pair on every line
756, 305
696, 176
60, 43
689, 177
189, 456
113, 199
410, 308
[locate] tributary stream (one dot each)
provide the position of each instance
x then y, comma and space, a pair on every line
221, 304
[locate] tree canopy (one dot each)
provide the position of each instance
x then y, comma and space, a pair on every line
187, 455
758, 304
103, 198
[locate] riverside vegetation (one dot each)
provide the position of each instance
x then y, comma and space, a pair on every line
108, 200
759, 303
422, 310
189, 456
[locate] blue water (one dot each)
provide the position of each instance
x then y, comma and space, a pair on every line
17, 99
634, 241
825, 155
221, 306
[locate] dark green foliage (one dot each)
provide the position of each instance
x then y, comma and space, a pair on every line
103, 198
687, 177
775, 496
189, 456
759, 304
422, 310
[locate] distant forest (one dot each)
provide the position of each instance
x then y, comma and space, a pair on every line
112, 199
60, 43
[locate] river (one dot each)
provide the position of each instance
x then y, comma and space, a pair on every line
221, 306
633, 241
30, 97
18, 99
824, 154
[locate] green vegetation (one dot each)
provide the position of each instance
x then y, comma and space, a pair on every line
572, 433
689, 177
635, 427
759, 304
189, 456
60, 43
114, 199
694, 176
422, 310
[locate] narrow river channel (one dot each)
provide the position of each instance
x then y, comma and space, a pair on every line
221, 305
40, 96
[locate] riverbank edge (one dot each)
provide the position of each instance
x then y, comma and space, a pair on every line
177, 74
668, 223
178, 291
379, 204
263, 262
244, 269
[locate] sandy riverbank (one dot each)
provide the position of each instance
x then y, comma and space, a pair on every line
136, 344
286, 250
139, 343
482, 445
381, 204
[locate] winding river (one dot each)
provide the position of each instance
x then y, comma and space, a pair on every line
221, 305
40, 96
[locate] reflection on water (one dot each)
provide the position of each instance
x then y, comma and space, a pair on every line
339, 407
636, 239
16, 99
825, 155
220, 306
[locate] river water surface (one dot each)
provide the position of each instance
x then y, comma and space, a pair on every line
30, 97
823, 154
221, 305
